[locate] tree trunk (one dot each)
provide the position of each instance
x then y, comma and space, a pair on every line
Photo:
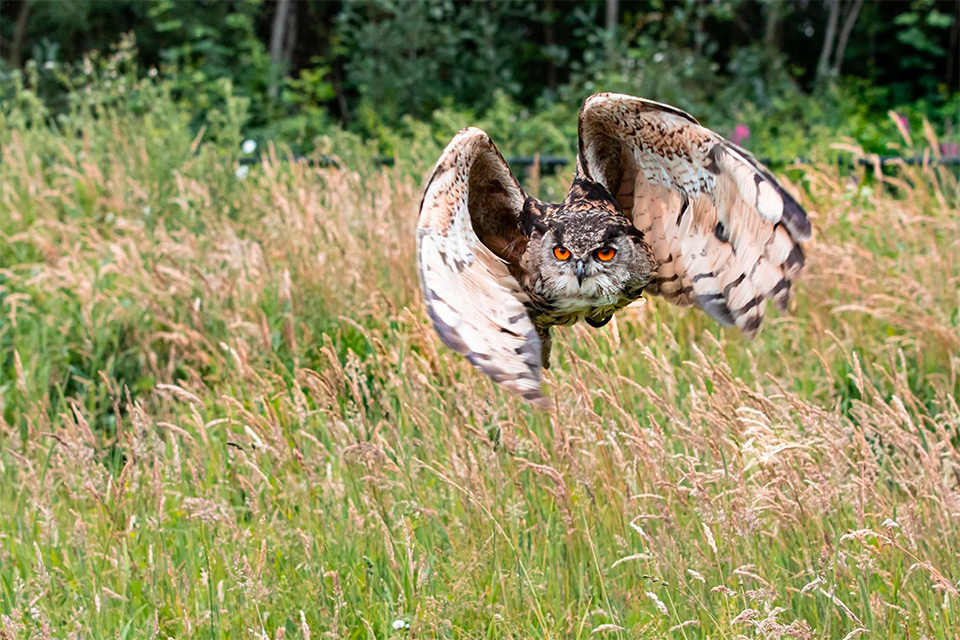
550, 37
16, 50
336, 79
278, 32
613, 11
771, 31
823, 66
290, 45
848, 23
949, 76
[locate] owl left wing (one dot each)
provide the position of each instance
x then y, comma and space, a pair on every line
724, 232
468, 241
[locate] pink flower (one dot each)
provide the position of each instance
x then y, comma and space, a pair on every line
740, 133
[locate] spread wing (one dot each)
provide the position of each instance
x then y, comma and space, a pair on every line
468, 242
725, 234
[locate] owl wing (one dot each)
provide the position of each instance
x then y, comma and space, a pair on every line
469, 243
725, 234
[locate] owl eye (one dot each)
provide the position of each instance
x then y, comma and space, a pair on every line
606, 254
561, 253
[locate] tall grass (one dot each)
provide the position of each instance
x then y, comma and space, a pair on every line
224, 414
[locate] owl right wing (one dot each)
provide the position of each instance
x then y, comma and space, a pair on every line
726, 235
468, 240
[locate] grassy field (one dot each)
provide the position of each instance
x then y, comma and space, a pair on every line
224, 414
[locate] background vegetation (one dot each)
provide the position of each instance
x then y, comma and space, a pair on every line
391, 70
223, 412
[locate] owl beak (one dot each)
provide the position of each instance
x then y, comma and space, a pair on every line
579, 272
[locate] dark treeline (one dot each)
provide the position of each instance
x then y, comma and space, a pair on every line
370, 64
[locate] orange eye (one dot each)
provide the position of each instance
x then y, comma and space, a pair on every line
606, 254
561, 253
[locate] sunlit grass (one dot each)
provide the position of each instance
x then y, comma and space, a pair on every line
224, 414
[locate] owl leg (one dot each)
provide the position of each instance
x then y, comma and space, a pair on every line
546, 342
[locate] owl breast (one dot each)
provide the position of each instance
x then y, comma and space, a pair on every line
564, 301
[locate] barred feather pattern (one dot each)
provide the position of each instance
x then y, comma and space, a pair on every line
474, 301
726, 235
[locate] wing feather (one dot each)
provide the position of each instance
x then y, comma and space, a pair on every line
468, 241
725, 233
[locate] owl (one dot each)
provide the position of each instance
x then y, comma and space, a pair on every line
659, 204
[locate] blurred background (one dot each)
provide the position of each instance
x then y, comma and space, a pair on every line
774, 75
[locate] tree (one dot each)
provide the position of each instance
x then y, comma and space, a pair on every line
825, 71
282, 30
848, 23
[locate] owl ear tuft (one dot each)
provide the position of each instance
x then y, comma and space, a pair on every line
531, 218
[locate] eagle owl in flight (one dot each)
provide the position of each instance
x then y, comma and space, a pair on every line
659, 204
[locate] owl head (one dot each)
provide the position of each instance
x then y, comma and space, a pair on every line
585, 249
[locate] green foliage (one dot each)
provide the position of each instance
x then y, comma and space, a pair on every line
387, 69
409, 58
213, 51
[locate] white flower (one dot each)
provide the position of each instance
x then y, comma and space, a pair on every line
153, 72
249, 146
48, 64
890, 524
242, 171
398, 624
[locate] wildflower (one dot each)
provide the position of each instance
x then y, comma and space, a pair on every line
242, 171
249, 146
399, 624
740, 133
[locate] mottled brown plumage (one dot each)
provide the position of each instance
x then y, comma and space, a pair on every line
658, 204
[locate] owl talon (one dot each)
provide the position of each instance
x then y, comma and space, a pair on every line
596, 324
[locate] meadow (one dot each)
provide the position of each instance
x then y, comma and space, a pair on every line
224, 414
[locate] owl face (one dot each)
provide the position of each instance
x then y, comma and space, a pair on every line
587, 258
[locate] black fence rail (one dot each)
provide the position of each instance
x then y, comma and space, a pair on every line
550, 164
